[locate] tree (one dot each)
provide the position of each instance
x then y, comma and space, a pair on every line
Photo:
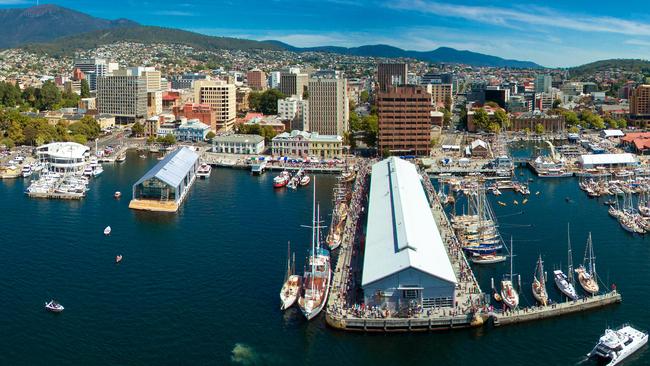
151, 140
481, 119
501, 117
364, 96
210, 135
137, 129
85, 88
80, 139
371, 128
446, 117
15, 133
539, 129
622, 123
570, 118
48, 96
573, 129
167, 140
612, 123
7, 142
556, 103
265, 102
354, 121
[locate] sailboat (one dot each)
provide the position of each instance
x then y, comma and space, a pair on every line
539, 283
318, 272
564, 283
508, 293
587, 275
291, 286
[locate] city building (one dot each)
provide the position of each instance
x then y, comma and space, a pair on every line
543, 83
405, 263
391, 74
639, 142
221, 97
242, 95
608, 161
274, 79
437, 78
192, 130
293, 83
328, 105
498, 95
304, 144
92, 68
442, 94
202, 112
296, 111
186, 81
530, 120
63, 156
405, 120
123, 95
165, 186
256, 79
238, 144
640, 102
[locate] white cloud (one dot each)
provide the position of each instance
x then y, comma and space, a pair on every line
638, 42
173, 13
506, 17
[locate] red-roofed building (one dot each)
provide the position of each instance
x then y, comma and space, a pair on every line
637, 141
202, 112
77, 74
170, 99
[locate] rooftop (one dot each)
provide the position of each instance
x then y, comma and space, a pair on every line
240, 138
64, 149
173, 168
402, 232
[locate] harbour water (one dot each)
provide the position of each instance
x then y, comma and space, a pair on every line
201, 286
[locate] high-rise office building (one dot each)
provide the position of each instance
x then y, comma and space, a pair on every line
442, 94
391, 74
274, 79
405, 120
222, 97
328, 105
292, 83
256, 79
93, 68
640, 102
122, 94
543, 83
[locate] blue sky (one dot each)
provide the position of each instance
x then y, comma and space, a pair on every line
552, 33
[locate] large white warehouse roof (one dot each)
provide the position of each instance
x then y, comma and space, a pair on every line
401, 230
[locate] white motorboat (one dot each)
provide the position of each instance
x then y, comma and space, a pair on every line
305, 180
27, 171
117, 195
88, 171
97, 170
204, 171
562, 283
54, 306
107, 230
616, 345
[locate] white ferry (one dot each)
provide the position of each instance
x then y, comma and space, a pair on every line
204, 171
616, 345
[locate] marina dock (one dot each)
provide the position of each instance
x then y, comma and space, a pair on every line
554, 310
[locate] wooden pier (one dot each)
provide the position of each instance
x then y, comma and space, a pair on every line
56, 195
554, 310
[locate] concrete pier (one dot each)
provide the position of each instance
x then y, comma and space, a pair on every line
554, 310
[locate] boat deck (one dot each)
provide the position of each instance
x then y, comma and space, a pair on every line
152, 205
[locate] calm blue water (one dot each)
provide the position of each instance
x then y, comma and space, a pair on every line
195, 286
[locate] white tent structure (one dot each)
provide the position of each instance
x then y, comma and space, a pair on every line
405, 261
608, 160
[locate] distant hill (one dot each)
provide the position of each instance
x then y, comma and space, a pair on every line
625, 65
60, 32
441, 54
66, 46
47, 22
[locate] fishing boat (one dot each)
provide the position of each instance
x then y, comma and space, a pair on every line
509, 295
501, 203
121, 158
488, 258
281, 180
305, 180
117, 195
539, 283
616, 345
318, 272
204, 171
107, 230
291, 285
587, 270
54, 306
118, 258
563, 282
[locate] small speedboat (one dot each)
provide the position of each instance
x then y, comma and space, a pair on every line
107, 231
305, 180
143, 156
117, 195
118, 258
54, 306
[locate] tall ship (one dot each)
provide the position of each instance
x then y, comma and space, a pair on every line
616, 345
477, 230
318, 271
539, 283
565, 282
292, 283
587, 270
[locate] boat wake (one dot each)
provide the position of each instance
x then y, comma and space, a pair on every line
244, 354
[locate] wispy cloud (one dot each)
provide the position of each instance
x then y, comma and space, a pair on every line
173, 13
16, 2
535, 16
637, 42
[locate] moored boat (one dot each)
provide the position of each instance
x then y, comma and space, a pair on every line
509, 295
563, 282
118, 258
488, 258
117, 195
107, 230
587, 271
281, 180
292, 283
539, 283
305, 180
204, 171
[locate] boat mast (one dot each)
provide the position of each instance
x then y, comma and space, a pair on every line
288, 261
540, 271
313, 237
570, 261
592, 258
511, 258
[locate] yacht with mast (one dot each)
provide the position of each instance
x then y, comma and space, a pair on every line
292, 282
318, 271
508, 293
587, 270
539, 283
563, 282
